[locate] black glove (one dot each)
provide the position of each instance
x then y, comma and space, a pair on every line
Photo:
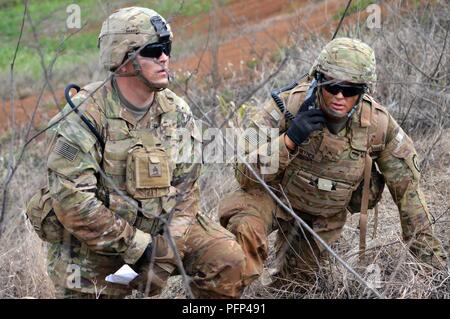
146, 257
142, 267
152, 282
304, 124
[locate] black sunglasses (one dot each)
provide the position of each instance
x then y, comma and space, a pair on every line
155, 50
347, 90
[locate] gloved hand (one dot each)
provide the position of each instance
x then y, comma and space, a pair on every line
146, 257
154, 272
142, 267
304, 124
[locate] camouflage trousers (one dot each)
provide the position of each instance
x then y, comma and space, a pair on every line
252, 215
211, 257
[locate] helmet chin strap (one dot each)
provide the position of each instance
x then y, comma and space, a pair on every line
355, 107
138, 73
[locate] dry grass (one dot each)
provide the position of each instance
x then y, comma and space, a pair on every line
419, 99
22, 254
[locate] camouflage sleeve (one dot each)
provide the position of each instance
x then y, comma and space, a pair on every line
399, 165
267, 154
72, 167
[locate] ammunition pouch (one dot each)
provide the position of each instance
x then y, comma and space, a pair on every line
376, 189
316, 196
42, 217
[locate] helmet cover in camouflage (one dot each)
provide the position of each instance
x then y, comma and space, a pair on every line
347, 59
125, 30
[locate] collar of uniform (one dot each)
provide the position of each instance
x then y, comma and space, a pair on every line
118, 111
163, 103
156, 108
114, 106
166, 101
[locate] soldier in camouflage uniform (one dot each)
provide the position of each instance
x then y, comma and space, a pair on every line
325, 149
93, 228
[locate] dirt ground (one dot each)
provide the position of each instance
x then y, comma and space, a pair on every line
252, 29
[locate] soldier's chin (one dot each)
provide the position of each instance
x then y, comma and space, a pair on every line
333, 115
160, 85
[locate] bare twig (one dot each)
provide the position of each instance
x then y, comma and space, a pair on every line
253, 92
38, 48
432, 75
186, 279
407, 112
11, 161
427, 157
28, 130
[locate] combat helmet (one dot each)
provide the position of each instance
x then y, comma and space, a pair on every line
127, 29
348, 60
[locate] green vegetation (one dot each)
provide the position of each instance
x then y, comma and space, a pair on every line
186, 8
49, 18
253, 63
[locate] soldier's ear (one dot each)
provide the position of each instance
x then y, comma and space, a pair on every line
126, 68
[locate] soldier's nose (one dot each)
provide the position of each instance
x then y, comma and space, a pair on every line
163, 58
339, 96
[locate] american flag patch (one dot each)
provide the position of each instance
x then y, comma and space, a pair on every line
275, 115
66, 150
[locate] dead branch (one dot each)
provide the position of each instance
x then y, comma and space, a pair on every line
11, 154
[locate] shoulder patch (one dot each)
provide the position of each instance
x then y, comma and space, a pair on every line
75, 131
276, 115
273, 111
66, 150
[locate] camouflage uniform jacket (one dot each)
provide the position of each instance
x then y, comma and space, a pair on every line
326, 169
102, 229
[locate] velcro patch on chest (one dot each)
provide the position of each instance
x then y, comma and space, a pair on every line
154, 169
66, 150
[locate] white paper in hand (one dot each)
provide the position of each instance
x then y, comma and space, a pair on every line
123, 276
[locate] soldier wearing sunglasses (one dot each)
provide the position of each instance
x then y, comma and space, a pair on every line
111, 198
337, 149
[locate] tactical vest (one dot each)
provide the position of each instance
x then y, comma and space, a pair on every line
139, 163
329, 169
154, 152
